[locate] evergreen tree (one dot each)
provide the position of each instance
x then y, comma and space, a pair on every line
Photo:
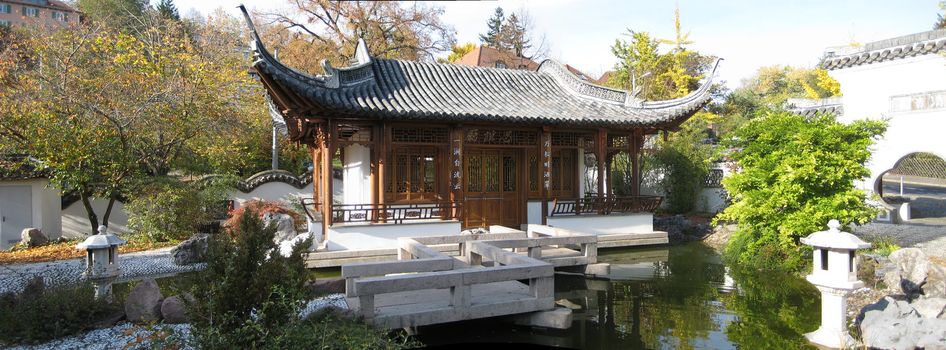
167, 10
513, 36
493, 36
121, 14
941, 22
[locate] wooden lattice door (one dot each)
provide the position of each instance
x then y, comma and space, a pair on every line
492, 188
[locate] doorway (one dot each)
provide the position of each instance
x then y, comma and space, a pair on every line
493, 187
16, 213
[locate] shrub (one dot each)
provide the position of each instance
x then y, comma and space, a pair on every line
883, 245
40, 315
683, 160
249, 294
172, 210
261, 208
795, 175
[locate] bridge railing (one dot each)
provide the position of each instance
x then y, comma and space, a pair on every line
423, 268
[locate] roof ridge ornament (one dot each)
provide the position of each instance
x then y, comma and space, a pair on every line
583, 88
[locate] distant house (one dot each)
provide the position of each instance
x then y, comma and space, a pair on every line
485, 56
36, 12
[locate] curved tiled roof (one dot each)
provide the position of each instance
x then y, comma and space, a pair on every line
891, 49
407, 90
810, 107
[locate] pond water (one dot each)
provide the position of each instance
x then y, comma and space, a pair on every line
677, 297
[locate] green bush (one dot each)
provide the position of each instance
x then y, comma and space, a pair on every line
683, 160
40, 315
883, 245
795, 175
172, 210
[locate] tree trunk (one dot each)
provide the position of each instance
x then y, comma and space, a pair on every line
93, 219
108, 209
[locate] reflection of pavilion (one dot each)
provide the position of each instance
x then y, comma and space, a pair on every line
445, 147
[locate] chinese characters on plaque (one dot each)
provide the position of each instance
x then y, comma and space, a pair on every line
546, 167
457, 159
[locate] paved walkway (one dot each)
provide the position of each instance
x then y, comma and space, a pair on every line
928, 235
134, 266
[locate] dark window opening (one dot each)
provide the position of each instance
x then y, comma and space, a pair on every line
824, 259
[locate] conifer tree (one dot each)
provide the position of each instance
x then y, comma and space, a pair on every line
167, 10
493, 36
941, 22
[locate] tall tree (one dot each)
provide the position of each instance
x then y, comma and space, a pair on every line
681, 39
324, 29
123, 14
167, 10
941, 18
107, 109
493, 36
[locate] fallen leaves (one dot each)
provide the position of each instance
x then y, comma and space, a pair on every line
64, 250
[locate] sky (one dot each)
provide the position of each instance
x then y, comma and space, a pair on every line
747, 34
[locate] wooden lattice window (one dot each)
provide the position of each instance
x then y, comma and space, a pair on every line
618, 141
354, 133
564, 174
413, 174
410, 134
572, 139
532, 168
502, 137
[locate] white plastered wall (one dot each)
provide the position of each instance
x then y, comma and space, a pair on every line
75, 220
384, 235
605, 224
45, 206
866, 93
272, 191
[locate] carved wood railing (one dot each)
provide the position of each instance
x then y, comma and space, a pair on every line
387, 212
605, 205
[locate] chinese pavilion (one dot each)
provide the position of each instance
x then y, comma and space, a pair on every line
428, 142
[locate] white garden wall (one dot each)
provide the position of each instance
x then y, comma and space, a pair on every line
43, 206
363, 236
605, 224
75, 220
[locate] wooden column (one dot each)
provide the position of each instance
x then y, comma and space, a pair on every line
636, 144
455, 169
545, 154
378, 154
328, 152
315, 151
601, 151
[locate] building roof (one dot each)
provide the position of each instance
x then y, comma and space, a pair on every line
19, 167
924, 43
485, 56
387, 89
810, 107
51, 4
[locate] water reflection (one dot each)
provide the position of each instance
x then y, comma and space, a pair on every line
680, 297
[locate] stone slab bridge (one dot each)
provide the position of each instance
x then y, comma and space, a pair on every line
504, 272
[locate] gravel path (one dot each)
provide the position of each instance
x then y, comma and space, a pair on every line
128, 336
134, 266
928, 235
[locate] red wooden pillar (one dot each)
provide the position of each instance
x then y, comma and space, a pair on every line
545, 154
455, 169
328, 152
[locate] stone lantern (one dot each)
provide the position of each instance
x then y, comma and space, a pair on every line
834, 273
101, 262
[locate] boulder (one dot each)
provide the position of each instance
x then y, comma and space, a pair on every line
173, 309
33, 237
285, 226
935, 286
144, 302
929, 307
896, 324
913, 266
191, 251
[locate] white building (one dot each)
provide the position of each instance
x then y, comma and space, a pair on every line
902, 80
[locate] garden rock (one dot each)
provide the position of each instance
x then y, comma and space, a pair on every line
929, 307
896, 324
144, 302
173, 309
935, 286
33, 237
913, 266
191, 251
285, 227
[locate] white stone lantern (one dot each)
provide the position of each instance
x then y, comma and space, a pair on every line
101, 263
834, 273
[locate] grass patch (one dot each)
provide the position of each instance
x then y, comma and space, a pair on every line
66, 249
883, 245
